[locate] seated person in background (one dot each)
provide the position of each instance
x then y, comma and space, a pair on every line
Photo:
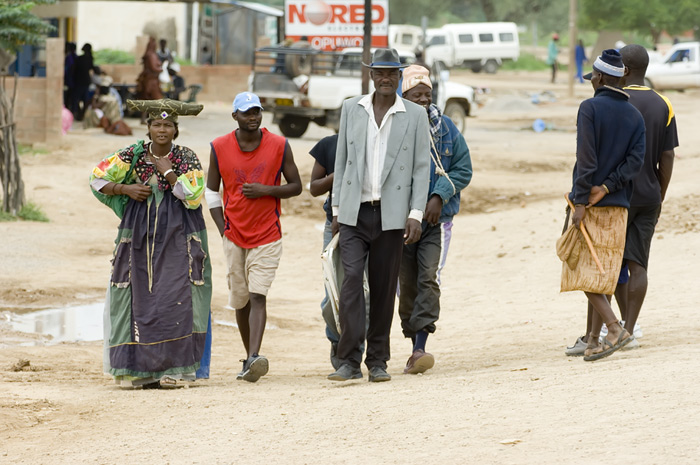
105, 111
178, 82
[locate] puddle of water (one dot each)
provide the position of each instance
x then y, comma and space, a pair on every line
70, 324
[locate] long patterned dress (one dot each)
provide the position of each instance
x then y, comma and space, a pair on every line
160, 289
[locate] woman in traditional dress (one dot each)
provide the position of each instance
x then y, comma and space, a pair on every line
158, 325
147, 83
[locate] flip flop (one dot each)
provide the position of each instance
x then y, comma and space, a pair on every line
609, 348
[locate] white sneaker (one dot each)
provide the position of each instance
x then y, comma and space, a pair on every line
633, 344
637, 331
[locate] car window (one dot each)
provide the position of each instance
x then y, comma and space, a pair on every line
437, 40
485, 37
406, 39
680, 56
506, 37
466, 38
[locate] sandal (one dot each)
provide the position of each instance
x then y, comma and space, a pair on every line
609, 348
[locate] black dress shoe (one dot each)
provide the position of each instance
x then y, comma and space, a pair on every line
345, 372
378, 375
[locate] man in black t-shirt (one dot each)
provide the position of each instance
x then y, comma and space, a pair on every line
322, 182
650, 184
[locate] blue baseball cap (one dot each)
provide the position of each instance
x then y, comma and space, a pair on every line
245, 101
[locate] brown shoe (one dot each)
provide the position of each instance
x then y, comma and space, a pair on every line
419, 362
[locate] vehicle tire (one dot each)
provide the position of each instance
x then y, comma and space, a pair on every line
293, 126
456, 112
491, 66
295, 65
476, 68
648, 83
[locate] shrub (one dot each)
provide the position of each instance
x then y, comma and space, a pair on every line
113, 57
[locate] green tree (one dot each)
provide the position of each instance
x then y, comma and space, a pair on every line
18, 26
646, 17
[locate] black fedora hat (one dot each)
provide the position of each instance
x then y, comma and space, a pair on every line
385, 58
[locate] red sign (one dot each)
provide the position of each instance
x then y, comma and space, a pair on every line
335, 24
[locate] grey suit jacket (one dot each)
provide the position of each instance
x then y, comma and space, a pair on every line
405, 177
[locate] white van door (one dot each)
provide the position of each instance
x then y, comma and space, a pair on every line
439, 48
682, 69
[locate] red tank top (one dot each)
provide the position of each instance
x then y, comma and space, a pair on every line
250, 223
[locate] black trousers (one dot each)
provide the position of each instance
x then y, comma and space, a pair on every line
383, 248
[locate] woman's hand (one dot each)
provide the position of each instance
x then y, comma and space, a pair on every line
163, 164
138, 192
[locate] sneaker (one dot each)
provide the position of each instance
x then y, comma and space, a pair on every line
577, 349
633, 344
419, 362
253, 369
637, 332
378, 375
345, 373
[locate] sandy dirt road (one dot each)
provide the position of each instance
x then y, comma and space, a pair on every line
502, 390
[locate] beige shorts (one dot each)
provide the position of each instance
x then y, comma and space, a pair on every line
250, 270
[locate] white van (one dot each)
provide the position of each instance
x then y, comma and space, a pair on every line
474, 45
405, 37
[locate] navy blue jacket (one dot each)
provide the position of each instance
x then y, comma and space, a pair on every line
610, 145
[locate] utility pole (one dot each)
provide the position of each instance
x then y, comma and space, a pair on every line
573, 16
366, 45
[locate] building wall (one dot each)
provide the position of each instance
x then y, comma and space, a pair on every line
114, 25
110, 24
39, 101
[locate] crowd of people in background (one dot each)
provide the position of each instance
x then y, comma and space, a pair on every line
89, 95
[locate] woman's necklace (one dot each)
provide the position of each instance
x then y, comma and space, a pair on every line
156, 157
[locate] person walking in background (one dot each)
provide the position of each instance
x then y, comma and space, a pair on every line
380, 189
609, 154
422, 261
552, 54
84, 66
147, 83
164, 53
580, 60
157, 312
69, 63
249, 162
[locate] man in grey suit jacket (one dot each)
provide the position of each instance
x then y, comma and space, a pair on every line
380, 190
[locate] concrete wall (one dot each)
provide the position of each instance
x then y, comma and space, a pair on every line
40, 100
221, 83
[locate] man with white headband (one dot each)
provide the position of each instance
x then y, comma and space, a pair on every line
610, 144
422, 262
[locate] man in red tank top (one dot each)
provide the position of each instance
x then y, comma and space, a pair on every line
250, 162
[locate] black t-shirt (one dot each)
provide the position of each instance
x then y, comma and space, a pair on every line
661, 135
83, 65
324, 153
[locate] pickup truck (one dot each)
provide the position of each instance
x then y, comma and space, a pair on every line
678, 69
300, 85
